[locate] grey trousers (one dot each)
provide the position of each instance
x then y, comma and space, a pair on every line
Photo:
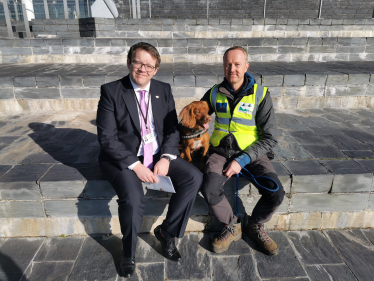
212, 189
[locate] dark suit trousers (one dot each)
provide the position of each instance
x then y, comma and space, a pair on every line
186, 179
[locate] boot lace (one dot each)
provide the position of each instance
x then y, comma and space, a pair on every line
227, 231
261, 233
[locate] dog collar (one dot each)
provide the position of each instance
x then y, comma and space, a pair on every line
195, 133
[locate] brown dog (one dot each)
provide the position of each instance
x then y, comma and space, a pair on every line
194, 130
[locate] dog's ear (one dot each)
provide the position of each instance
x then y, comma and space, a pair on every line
187, 116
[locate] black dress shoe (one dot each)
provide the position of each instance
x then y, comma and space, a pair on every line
168, 245
127, 266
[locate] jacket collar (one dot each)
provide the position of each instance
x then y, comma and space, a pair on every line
128, 97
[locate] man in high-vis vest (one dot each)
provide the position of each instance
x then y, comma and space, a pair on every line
243, 137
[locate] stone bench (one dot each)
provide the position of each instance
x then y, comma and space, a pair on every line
53, 87
50, 181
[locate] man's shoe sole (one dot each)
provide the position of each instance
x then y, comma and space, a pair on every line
221, 250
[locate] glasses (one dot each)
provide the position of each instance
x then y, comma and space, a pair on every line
139, 65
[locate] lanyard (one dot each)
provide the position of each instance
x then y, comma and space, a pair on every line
141, 111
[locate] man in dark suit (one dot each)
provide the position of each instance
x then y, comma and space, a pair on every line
137, 131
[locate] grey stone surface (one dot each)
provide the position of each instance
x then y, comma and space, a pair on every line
337, 79
324, 151
48, 271
15, 256
26, 173
24, 81
98, 259
285, 264
234, 268
62, 189
349, 176
37, 93
328, 202
194, 265
21, 209
152, 272
294, 80
315, 79
19, 191
309, 176
326, 272
307, 242
88, 93
80, 208
47, 81
355, 249
6, 94
368, 164
59, 249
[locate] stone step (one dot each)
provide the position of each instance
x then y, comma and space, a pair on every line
213, 28
112, 50
53, 87
50, 181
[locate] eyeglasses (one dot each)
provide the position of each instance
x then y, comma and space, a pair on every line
138, 64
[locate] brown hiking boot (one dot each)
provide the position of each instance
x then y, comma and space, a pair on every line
231, 232
258, 234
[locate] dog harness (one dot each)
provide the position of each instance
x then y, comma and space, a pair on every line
242, 123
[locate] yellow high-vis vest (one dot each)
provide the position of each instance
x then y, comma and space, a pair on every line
242, 123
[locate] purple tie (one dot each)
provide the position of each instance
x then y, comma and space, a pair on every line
148, 148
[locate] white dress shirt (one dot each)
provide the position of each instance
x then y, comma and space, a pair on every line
151, 125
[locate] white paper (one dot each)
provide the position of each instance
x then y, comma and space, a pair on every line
164, 184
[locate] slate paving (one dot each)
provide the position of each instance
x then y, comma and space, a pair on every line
48, 77
344, 255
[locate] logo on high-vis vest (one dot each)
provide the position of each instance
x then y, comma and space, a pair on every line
246, 107
221, 107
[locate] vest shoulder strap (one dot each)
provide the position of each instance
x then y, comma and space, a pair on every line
213, 95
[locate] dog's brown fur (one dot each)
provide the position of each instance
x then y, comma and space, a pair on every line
194, 116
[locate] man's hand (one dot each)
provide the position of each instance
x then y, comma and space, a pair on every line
144, 174
232, 169
161, 167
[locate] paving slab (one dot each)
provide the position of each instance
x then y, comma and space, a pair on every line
309, 176
328, 202
234, 268
98, 259
26, 173
19, 191
307, 242
356, 250
21, 209
59, 249
369, 233
285, 264
194, 265
48, 271
81, 208
16, 255
339, 272
349, 176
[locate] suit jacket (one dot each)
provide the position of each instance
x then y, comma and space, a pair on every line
118, 124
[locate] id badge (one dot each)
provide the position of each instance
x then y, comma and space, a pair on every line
148, 138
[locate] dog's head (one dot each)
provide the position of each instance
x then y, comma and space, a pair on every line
196, 113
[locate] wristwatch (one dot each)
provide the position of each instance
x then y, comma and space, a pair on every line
167, 158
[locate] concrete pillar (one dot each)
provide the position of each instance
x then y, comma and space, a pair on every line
29, 9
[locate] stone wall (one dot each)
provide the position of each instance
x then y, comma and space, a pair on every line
294, 9
347, 9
